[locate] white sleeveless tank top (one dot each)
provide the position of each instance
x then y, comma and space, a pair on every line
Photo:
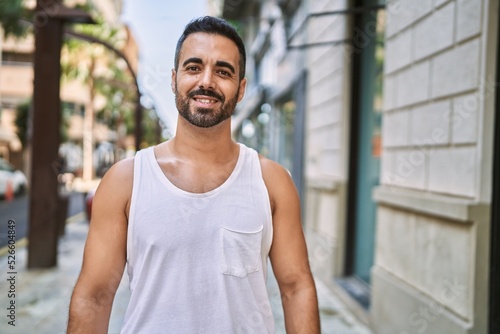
197, 262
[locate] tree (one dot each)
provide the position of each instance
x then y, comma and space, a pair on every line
21, 121
22, 118
106, 79
11, 13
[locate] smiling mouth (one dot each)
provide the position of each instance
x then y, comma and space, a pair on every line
205, 100
206, 97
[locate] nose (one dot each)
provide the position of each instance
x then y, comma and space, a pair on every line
207, 80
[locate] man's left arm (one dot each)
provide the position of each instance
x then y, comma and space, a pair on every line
289, 253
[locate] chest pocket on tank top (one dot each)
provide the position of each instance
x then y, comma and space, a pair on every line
240, 252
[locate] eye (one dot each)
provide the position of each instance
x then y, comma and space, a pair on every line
192, 68
224, 73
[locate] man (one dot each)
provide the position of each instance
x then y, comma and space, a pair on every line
196, 218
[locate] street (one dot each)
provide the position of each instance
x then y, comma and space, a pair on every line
17, 210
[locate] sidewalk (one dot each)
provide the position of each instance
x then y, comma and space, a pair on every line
42, 295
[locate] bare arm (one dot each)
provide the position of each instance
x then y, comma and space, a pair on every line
105, 253
289, 253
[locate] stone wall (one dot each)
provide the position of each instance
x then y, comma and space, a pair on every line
326, 149
432, 242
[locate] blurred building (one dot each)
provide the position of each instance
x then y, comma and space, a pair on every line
384, 115
10, 145
16, 87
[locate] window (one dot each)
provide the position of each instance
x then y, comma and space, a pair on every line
17, 59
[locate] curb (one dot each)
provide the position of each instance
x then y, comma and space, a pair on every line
24, 241
19, 243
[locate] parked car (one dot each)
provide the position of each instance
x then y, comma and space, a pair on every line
10, 175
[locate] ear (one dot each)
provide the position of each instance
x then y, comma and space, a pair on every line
173, 82
243, 85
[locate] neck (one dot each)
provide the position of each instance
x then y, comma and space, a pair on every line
212, 144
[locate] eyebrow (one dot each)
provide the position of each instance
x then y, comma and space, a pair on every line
219, 63
192, 60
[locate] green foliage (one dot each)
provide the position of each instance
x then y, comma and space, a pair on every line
80, 58
21, 121
105, 74
11, 12
150, 128
67, 109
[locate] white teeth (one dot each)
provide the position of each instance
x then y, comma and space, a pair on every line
206, 101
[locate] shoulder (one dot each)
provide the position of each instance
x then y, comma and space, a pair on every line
272, 170
278, 181
122, 171
116, 185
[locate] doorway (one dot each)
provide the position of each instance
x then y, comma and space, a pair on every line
494, 304
365, 144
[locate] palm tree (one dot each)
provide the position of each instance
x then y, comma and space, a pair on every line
103, 75
11, 13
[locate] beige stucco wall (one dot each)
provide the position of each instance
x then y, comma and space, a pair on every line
16, 82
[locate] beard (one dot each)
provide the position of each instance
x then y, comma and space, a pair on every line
205, 117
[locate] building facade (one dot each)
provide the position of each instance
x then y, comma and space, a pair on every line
16, 87
384, 114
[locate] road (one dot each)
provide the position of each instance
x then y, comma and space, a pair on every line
17, 210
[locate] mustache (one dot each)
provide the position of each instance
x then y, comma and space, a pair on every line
206, 93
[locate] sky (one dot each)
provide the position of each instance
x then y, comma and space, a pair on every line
156, 26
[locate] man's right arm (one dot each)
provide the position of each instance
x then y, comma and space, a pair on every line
105, 253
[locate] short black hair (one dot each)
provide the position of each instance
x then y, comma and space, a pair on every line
216, 26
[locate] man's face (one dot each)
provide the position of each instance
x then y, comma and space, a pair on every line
206, 84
